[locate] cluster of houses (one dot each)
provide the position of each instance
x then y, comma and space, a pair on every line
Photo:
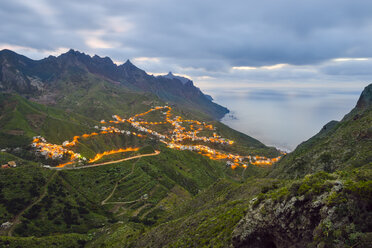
52, 151
178, 133
114, 130
140, 128
179, 136
10, 164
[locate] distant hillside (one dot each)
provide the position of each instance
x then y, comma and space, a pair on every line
338, 145
43, 80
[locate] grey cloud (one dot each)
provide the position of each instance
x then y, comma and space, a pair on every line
349, 68
202, 38
239, 32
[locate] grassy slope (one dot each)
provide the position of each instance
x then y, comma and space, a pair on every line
73, 200
95, 97
205, 220
209, 219
61, 240
20, 120
62, 210
19, 187
169, 176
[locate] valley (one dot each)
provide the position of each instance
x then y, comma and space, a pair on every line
182, 136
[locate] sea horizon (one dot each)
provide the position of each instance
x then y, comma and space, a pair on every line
283, 118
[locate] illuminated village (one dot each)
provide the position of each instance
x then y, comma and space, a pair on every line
182, 135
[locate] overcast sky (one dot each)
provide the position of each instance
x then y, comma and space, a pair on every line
219, 44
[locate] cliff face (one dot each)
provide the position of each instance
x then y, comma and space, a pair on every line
322, 210
365, 99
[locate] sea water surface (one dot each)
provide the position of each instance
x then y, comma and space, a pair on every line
283, 117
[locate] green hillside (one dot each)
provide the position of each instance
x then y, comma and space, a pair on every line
22, 119
217, 216
78, 194
99, 99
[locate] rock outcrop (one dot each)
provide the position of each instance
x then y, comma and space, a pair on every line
365, 99
310, 219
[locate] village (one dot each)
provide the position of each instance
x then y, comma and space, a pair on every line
183, 135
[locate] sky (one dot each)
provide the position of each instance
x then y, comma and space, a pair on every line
305, 43
288, 45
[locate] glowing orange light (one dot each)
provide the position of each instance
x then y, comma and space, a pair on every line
100, 155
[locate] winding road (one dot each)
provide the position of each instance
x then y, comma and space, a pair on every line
105, 163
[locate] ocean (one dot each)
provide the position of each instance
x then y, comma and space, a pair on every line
283, 117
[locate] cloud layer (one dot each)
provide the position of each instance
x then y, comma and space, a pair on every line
214, 42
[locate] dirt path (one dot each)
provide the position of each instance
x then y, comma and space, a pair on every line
116, 185
243, 173
16, 219
137, 211
105, 163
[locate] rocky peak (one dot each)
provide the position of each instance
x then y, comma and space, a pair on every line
71, 52
13, 57
6, 52
365, 99
73, 56
129, 70
128, 65
183, 80
103, 59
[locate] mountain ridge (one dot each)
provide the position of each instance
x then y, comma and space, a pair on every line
27, 77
